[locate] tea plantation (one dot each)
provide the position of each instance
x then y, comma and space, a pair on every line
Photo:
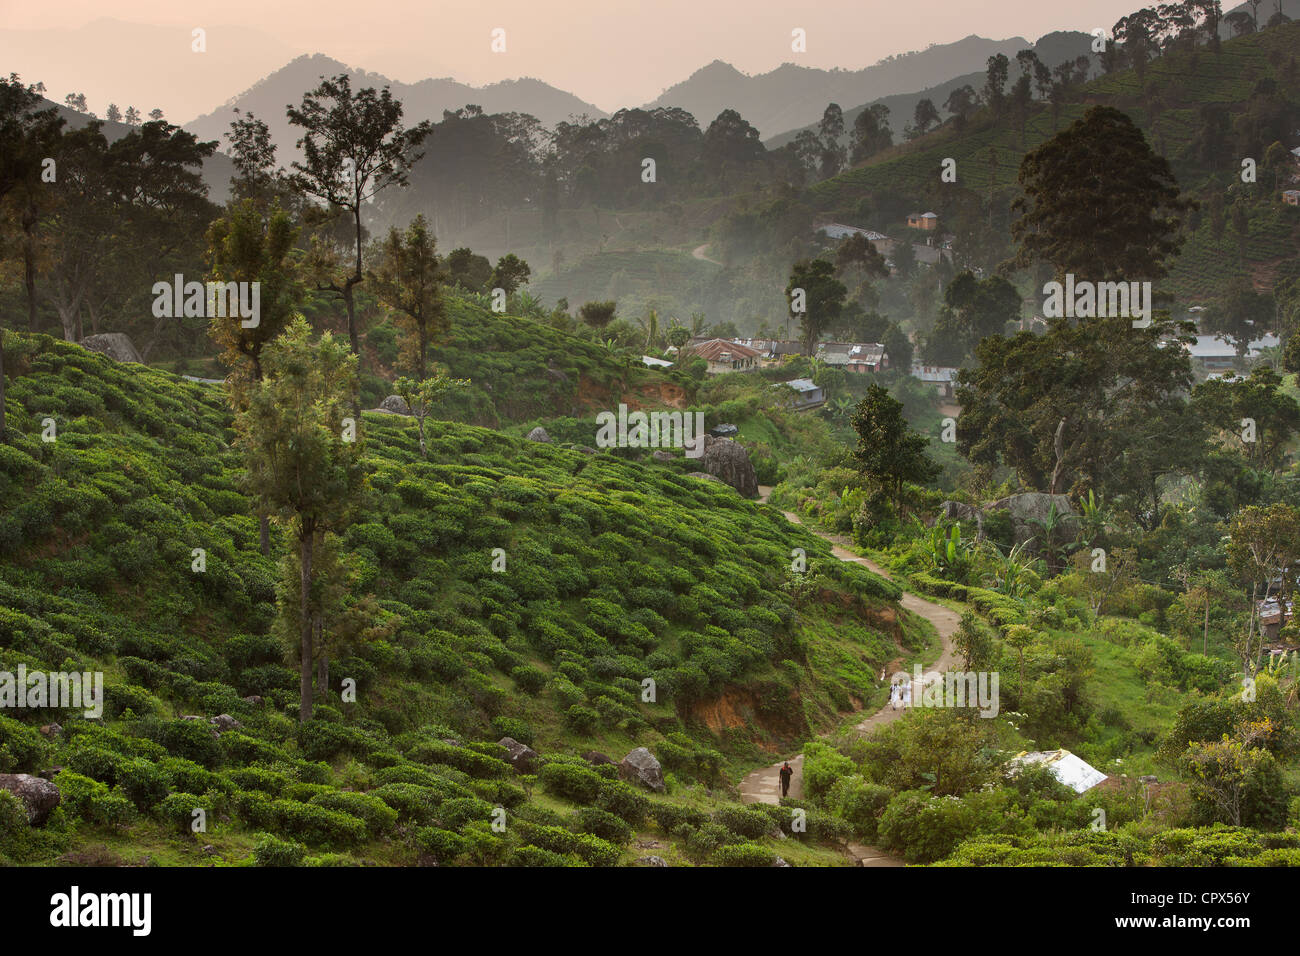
611, 574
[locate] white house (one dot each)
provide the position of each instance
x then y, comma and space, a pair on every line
1075, 773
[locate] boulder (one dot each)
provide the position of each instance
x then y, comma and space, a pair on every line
539, 434
779, 862
255, 700
1028, 511
660, 455
521, 756
651, 861
395, 405
39, 796
116, 345
49, 773
224, 722
724, 431
728, 461
640, 766
585, 449
704, 476
596, 758
52, 730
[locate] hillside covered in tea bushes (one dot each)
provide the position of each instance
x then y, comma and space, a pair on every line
611, 571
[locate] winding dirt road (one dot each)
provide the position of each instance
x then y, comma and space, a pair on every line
763, 785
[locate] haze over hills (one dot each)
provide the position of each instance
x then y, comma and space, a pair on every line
1051, 49
426, 99
792, 96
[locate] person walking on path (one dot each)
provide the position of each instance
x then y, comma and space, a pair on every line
785, 774
907, 694
895, 692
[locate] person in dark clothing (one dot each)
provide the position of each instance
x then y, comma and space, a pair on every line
786, 773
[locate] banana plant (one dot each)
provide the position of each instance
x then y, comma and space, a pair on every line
1093, 520
947, 553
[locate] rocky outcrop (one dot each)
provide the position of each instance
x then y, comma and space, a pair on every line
724, 431
596, 758
539, 434
521, 756
728, 461
651, 861
116, 345
640, 766
395, 405
660, 455
39, 796
1029, 511
224, 722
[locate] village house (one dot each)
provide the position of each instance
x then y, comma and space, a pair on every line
810, 394
941, 377
854, 357
1215, 353
726, 356
922, 220
1291, 197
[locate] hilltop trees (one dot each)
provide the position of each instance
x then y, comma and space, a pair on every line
354, 146
302, 464
1098, 203
871, 132
407, 279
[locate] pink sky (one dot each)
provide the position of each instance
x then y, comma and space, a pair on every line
612, 53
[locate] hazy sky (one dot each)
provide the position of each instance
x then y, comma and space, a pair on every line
612, 53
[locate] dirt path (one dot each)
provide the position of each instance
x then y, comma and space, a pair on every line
698, 253
762, 785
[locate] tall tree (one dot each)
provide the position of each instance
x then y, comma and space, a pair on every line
813, 286
408, 280
830, 132
889, 452
301, 465
871, 132
1098, 202
354, 146
246, 246
962, 101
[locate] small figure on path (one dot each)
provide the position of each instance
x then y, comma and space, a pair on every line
907, 694
895, 694
785, 773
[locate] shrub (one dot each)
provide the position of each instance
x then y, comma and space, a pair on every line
443, 845
272, 851
413, 803
529, 679
178, 810
604, 825
743, 854
624, 801
572, 782
317, 826
749, 823
142, 783
378, 816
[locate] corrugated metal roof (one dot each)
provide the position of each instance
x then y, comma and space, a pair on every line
1074, 772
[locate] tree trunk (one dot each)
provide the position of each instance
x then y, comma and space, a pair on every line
2, 383
265, 533
1058, 445
1205, 638
306, 536
29, 267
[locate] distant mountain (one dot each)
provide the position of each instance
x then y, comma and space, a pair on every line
1052, 49
793, 96
143, 57
426, 99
